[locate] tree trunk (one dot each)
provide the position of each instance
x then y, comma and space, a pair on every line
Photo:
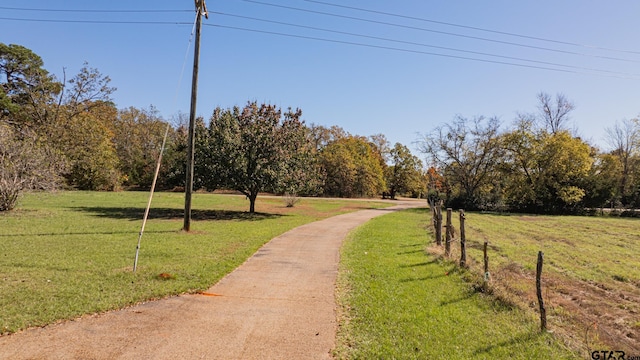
252, 202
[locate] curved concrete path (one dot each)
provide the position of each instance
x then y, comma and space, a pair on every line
279, 304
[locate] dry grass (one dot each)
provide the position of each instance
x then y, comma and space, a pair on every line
591, 276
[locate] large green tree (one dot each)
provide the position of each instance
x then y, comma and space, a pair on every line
253, 149
28, 93
351, 168
403, 174
545, 171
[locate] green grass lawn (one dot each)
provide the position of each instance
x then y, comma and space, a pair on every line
596, 249
397, 302
66, 254
591, 275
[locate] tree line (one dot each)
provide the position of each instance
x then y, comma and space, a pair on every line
536, 165
69, 133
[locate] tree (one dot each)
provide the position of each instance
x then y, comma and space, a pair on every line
624, 139
554, 115
301, 172
435, 186
138, 135
252, 149
28, 90
25, 165
544, 172
404, 171
602, 182
468, 152
86, 142
351, 168
76, 121
322, 136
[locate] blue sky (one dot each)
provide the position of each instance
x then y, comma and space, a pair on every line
364, 89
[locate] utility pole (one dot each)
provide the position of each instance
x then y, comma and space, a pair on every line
201, 9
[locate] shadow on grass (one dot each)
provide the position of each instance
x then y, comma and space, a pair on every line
135, 213
466, 296
419, 264
418, 210
480, 246
424, 278
523, 339
410, 252
411, 245
88, 233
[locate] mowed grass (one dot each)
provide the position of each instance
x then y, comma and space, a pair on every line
397, 302
596, 249
591, 274
66, 254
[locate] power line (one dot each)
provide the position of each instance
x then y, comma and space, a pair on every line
100, 21
422, 44
629, 76
570, 68
94, 10
433, 31
471, 27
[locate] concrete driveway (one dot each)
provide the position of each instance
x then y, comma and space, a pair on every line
279, 304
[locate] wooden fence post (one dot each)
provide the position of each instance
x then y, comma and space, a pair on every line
449, 230
434, 215
439, 224
543, 312
487, 277
463, 241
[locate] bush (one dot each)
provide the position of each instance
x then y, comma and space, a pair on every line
290, 200
25, 165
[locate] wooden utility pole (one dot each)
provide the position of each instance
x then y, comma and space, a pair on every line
201, 9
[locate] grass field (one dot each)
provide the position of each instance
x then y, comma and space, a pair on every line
397, 302
67, 254
591, 276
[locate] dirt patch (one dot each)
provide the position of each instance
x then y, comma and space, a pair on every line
587, 315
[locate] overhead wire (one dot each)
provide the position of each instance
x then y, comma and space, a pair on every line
326, 3
417, 43
99, 21
94, 10
431, 30
628, 76
471, 27
568, 68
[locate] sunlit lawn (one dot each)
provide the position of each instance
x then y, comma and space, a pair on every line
397, 302
71, 253
599, 249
